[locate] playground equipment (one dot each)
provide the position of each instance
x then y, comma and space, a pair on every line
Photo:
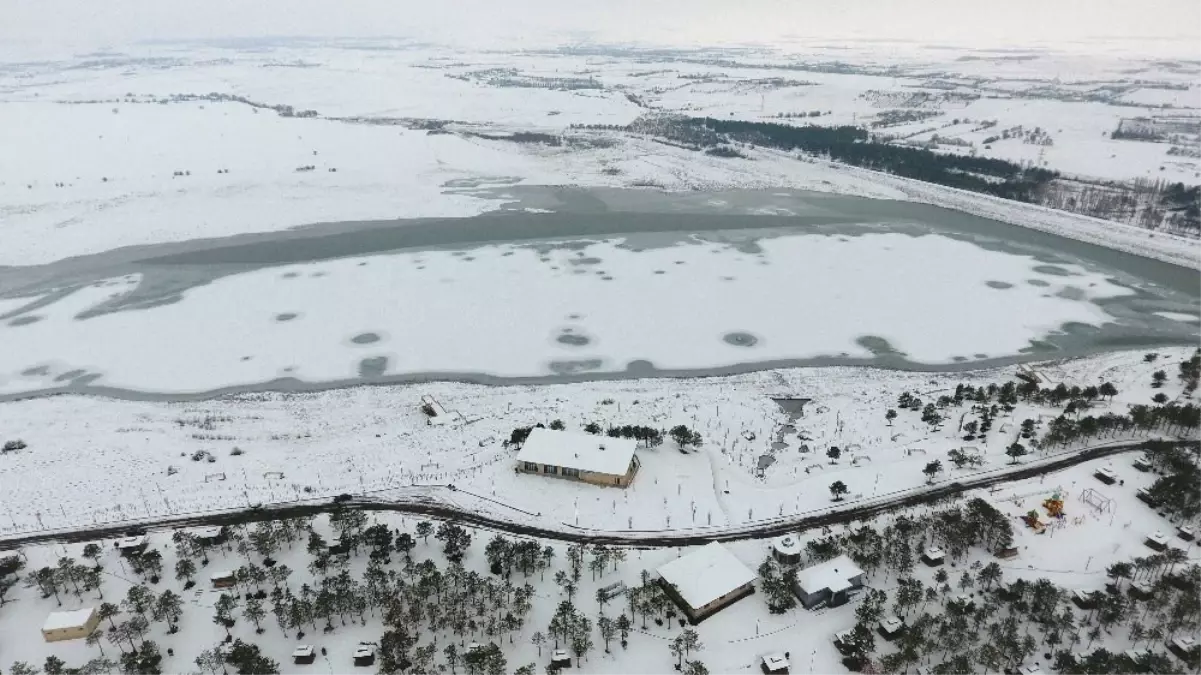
1097, 500
1032, 522
1054, 505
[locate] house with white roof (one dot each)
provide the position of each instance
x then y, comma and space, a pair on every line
830, 582
706, 580
70, 625
599, 460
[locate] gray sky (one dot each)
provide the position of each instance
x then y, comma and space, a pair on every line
1154, 27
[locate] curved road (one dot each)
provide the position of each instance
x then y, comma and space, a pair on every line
436, 510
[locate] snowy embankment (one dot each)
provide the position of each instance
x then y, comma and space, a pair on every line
180, 458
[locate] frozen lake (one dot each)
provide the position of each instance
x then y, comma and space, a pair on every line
574, 284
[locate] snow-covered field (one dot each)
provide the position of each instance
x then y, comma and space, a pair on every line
544, 308
95, 460
100, 139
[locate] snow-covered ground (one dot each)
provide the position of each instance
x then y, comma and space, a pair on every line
100, 138
301, 446
543, 308
1073, 555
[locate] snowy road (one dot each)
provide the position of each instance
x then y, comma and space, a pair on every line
425, 501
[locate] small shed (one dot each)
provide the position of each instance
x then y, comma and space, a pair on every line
963, 601
304, 654
1142, 463
1186, 648
890, 627
70, 625
1106, 475
933, 556
1144, 495
1084, 599
560, 659
786, 550
1157, 541
1186, 532
830, 582
1141, 590
131, 546
364, 655
706, 580
209, 536
774, 664
224, 579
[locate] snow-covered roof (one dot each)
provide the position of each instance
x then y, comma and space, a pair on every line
891, 624
933, 553
1186, 643
207, 532
834, 574
131, 542
1158, 537
1107, 472
586, 452
706, 574
775, 662
223, 574
303, 650
364, 650
73, 619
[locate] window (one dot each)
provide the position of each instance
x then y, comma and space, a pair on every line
574, 473
550, 468
530, 466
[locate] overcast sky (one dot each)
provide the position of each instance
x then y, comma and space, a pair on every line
1155, 27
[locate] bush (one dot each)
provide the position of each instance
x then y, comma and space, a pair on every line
237, 451
13, 446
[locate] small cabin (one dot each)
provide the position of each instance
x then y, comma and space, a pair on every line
364, 655
339, 548
963, 601
1007, 553
774, 664
1186, 648
131, 546
304, 655
224, 579
1106, 475
209, 536
1144, 495
1084, 599
1186, 532
71, 625
1142, 463
560, 659
844, 642
933, 556
1157, 541
1141, 590
891, 627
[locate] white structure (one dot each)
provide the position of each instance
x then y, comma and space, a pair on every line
304, 654
1185, 647
364, 655
829, 582
1106, 475
566, 454
774, 664
1186, 532
786, 550
933, 556
1157, 541
70, 625
131, 545
706, 580
891, 626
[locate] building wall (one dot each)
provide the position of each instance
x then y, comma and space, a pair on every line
72, 633
594, 478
